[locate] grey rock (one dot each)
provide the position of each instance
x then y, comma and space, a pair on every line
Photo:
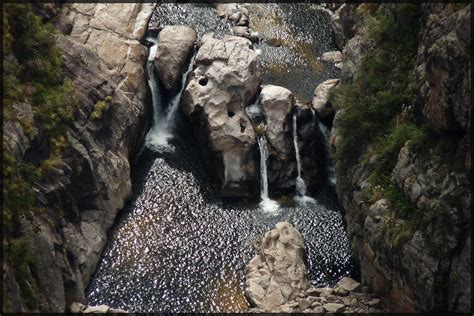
100, 309
348, 284
303, 304
269, 281
332, 57
333, 307
320, 101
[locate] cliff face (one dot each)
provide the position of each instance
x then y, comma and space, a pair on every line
412, 237
80, 197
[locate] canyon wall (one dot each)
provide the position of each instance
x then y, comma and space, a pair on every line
413, 237
80, 198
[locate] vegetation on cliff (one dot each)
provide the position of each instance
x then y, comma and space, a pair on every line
32, 75
378, 118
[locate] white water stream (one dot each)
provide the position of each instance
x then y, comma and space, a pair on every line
163, 123
266, 203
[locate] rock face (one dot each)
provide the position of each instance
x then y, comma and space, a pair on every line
425, 268
444, 66
225, 79
103, 57
343, 22
320, 102
278, 274
277, 103
175, 45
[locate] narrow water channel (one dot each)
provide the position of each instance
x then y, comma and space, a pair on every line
178, 247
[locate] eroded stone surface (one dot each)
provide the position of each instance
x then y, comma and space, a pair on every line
226, 78
278, 274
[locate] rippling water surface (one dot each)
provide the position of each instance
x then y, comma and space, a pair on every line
177, 247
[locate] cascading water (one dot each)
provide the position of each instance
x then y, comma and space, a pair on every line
163, 125
331, 167
266, 203
300, 184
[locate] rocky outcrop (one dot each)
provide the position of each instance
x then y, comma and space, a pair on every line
175, 43
444, 67
343, 21
236, 13
422, 263
321, 104
278, 273
277, 104
82, 194
347, 296
225, 80
276, 281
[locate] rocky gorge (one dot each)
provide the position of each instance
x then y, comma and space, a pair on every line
185, 146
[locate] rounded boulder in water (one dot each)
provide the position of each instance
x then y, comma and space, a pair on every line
174, 47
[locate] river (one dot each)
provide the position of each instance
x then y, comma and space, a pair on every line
177, 246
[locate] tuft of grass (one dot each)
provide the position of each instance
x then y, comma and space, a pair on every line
100, 108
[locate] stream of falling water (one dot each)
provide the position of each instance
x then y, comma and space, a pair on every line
163, 123
177, 246
267, 204
300, 184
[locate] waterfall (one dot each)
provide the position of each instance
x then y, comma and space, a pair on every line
262, 144
163, 123
300, 185
266, 203
331, 168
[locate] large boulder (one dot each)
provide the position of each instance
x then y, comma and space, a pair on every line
278, 273
277, 104
332, 57
320, 102
175, 44
226, 78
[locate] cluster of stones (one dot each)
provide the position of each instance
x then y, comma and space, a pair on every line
99, 309
277, 280
238, 15
348, 296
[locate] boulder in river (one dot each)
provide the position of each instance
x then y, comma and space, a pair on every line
332, 57
277, 104
321, 104
175, 45
226, 78
278, 273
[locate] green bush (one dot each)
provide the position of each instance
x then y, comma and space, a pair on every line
100, 108
384, 86
32, 74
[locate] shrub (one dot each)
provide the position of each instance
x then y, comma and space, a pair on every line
32, 74
383, 87
100, 108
